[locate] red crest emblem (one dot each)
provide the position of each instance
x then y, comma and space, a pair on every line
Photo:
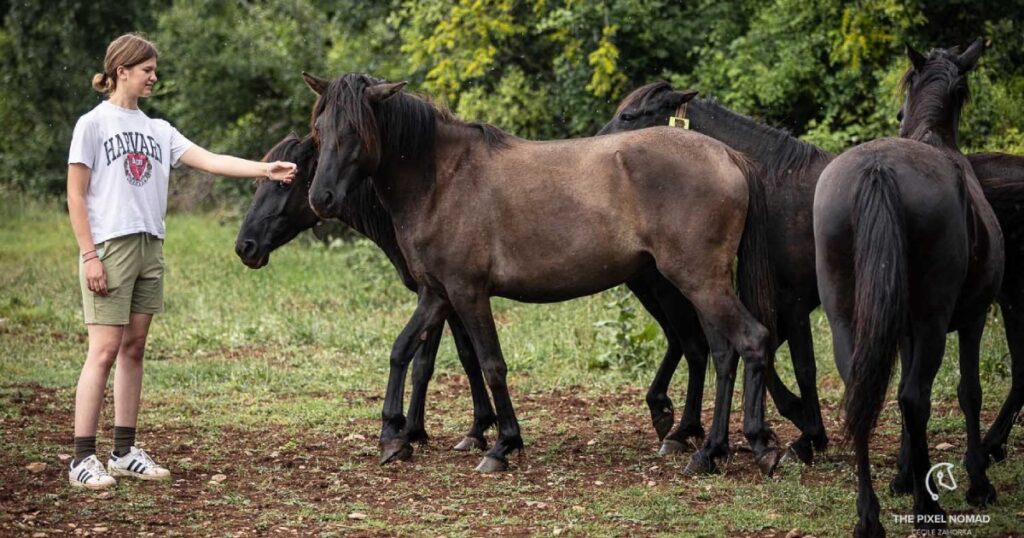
137, 168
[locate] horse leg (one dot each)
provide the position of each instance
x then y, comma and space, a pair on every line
428, 317
915, 404
687, 334
968, 391
658, 401
868, 509
801, 349
903, 482
994, 445
483, 412
422, 370
474, 309
711, 293
716, 445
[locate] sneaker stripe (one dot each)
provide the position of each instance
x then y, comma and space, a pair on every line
87, 477
80, 473
131, 466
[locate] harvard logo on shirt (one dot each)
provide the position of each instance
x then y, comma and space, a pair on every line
137, 149
137, 168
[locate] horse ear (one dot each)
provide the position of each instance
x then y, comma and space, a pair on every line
383, 91
318, 85
916, 58
677, 98
969, 58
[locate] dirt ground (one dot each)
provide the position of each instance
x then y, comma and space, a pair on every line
316, 483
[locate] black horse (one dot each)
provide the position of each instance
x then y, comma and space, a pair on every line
907, 249
791, 168
279, 212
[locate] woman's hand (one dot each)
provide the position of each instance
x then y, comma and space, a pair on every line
282, 171
96, 276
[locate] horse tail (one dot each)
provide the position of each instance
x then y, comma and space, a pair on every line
881, 298
755, 277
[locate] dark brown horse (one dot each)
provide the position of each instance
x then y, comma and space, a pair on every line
279, 212
788, 169
907, 249
480, 213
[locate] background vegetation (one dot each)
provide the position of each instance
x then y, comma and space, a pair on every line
825, 69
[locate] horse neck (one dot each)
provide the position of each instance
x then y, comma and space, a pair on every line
367, 216
761, 143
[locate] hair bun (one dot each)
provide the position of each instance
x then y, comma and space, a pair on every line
102, 83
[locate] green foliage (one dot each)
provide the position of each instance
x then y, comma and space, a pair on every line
630, 339
827, 70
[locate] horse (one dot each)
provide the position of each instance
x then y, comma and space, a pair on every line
791, 168
907, 249
480, 213
1002, 180
279, 212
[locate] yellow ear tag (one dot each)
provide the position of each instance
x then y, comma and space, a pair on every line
675, 121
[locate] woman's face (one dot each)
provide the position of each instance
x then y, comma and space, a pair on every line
138, 80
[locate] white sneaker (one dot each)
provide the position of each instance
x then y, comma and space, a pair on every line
89, 473
137, 464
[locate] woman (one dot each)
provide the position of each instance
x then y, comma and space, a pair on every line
118, 168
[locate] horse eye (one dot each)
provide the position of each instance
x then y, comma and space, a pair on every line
627, 116
899, 115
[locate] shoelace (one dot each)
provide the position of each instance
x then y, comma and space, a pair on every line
94, 466
147, 461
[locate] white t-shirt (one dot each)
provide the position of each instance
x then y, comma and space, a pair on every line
130, 156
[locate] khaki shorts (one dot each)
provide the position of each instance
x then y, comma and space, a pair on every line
135, 280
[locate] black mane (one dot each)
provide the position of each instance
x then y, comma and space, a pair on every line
643, 94
776, 150
940, 77
403, 126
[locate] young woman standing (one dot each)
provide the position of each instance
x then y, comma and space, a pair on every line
118, 171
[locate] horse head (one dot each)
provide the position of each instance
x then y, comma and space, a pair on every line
647, 106
936, 88
345, 130
279, 211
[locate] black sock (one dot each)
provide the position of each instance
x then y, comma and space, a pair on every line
84, 447
124, 440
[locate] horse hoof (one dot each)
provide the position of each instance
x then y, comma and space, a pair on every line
901, 485
769, 461
997, 453
982, 495
699, 464
869, 528
671, 446
395, 450
663, 425
801, 452
490, 464
469, 443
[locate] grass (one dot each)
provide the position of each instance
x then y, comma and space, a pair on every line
298, 351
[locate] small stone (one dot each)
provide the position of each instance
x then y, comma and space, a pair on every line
99, 530
39, 535
651, 483
592, 442
105, 495
65, 458
944, 446
578, 508
795, 533
36, 467
357, 515
598, 483
354, 437
556, 531
218, 478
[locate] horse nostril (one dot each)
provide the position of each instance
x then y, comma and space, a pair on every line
247, 249
326, 199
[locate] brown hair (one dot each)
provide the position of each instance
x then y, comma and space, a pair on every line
128, 50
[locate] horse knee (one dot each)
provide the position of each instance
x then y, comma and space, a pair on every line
494, 371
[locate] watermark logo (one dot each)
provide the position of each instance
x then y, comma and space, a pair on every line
943, 478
